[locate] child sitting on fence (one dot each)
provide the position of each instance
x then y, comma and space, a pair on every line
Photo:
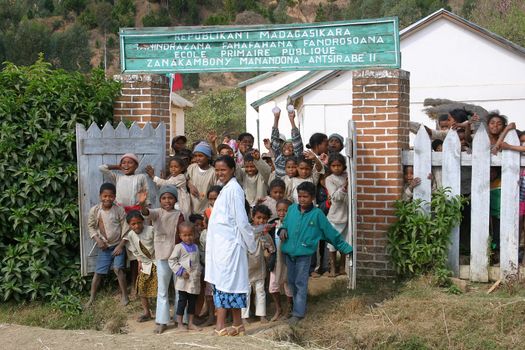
277, 266
128, 183
201, 177
185, 263
140, 242
176, 178
165, 221
257, 263
107, 226
337, 185
303, 227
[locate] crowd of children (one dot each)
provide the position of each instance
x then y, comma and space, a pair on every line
167, 241
466, 124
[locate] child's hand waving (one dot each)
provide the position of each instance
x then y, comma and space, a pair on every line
142, 197
150, 171
185, 275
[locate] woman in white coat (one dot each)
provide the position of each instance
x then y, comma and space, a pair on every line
229, 238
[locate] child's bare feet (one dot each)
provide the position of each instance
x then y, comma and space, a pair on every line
181, 327
264, 319
124, 300
277, 315
160, 328
192, 327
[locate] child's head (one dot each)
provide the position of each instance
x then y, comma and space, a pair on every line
287, 148
176, 166
186, 156
212, 194
129, 163
249, 165
168, 196
335, 143
408, 173
261, 214
186, 232
437, 145
304, 168
107, 195
459, 115
443, 122
496, 123
337, 163
178, 143
282, 208
305, 194
290, 167
135, 221
198, 222
225, 150
276, 189
318, 143
246, 141
202, 154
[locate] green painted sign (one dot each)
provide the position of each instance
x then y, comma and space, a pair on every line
285, 47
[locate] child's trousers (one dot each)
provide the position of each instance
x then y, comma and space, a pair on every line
260, 300
188, 299
164, 276
298, 273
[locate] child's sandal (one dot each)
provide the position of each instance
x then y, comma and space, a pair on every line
222, 333
236, 330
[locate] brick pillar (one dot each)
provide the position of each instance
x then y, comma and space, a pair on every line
381, 115
145, 98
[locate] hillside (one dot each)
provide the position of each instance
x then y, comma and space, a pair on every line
82, 34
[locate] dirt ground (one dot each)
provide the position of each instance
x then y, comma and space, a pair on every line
141, 336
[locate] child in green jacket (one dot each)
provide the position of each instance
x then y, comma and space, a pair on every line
303, 227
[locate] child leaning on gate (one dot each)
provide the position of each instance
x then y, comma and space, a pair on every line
107, 226
303, 227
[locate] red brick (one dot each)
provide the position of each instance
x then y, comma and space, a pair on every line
387, 95
362, 110
364, 95
374, 88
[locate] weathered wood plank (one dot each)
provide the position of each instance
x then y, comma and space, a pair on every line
509, 230
452, 178
480, 199
423, 167
407, 158
114, 146
351, 154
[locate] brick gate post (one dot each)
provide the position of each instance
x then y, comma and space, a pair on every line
381, 115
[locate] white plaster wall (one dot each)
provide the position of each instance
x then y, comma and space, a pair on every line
446, 60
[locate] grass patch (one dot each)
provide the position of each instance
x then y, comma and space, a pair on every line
413, 315
106, 314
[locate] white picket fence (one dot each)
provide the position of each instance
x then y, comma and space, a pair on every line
451, 159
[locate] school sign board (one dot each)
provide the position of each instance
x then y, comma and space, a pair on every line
285, 47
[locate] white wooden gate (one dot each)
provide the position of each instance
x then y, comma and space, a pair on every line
452, 160
351, 155
96, 147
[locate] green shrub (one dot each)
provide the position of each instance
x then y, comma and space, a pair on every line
39, 236
418, 241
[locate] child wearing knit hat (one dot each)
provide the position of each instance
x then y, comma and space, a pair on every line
201, 177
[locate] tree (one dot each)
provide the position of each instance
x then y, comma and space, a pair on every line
70, 49
23, 43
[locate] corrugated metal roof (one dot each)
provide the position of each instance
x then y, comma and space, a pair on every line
256, 79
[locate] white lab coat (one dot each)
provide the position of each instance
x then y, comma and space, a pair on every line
229, 238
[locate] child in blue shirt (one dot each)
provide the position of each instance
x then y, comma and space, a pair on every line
303, 227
